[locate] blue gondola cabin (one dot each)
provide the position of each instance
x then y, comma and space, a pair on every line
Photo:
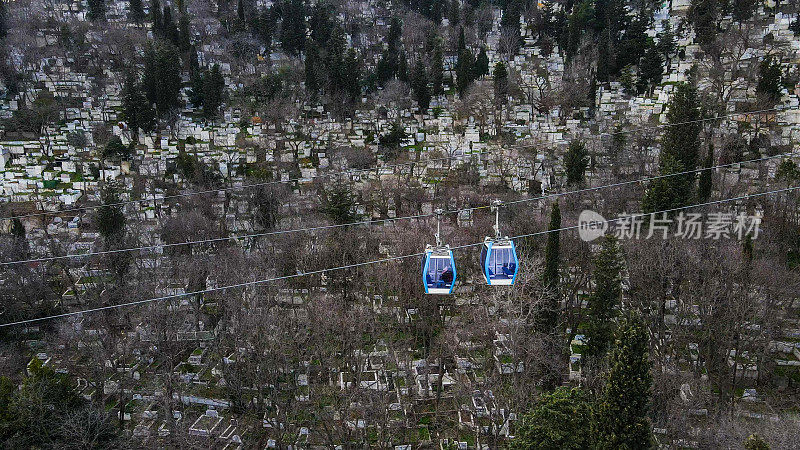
438, 271
499, 262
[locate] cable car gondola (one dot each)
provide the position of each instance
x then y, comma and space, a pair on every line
438, 266
499, 256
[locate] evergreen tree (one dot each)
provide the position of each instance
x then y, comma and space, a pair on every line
769, 80
703, 15
293, 26
743, 10
501, 83
402, 68
17, 229
559, 420
667, 193
213, 92
266, 27
548, 316
185, 33
389, 66
601, 308
115, 148
3, 20
162, 76
339, 205
110, 218
666, 42
622, 421
312, 76
155, 12
481, 64
510, 26
136, 11
682, 138
437, 70
705, 185
419, 85
169, 30
651, 67
464, 71
97, 10
136, 110
576, 160
353, 80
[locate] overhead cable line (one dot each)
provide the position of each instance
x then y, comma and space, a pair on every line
366, 263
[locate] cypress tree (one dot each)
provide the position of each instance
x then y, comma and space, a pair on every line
184, 33
704, 186
162, 76
652, 66
622, 420
576, 160
136, 110
464, 71
293, 26
550, 277
419, 85
136, 11
769, 80
97, 10
679, 153
3, 22
155, 12
110, 219
213, 92
353, 80
482, 63
501, 83
601, 308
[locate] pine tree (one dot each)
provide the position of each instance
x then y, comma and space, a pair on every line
550, 277
602, 306
213, 92
97, 10
559, 420
136, 11
622, 420
437, 69
481, 64
576, 160
419, 85
705, 185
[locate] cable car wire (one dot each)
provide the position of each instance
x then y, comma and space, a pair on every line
382, 221
366, 263
357, 171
